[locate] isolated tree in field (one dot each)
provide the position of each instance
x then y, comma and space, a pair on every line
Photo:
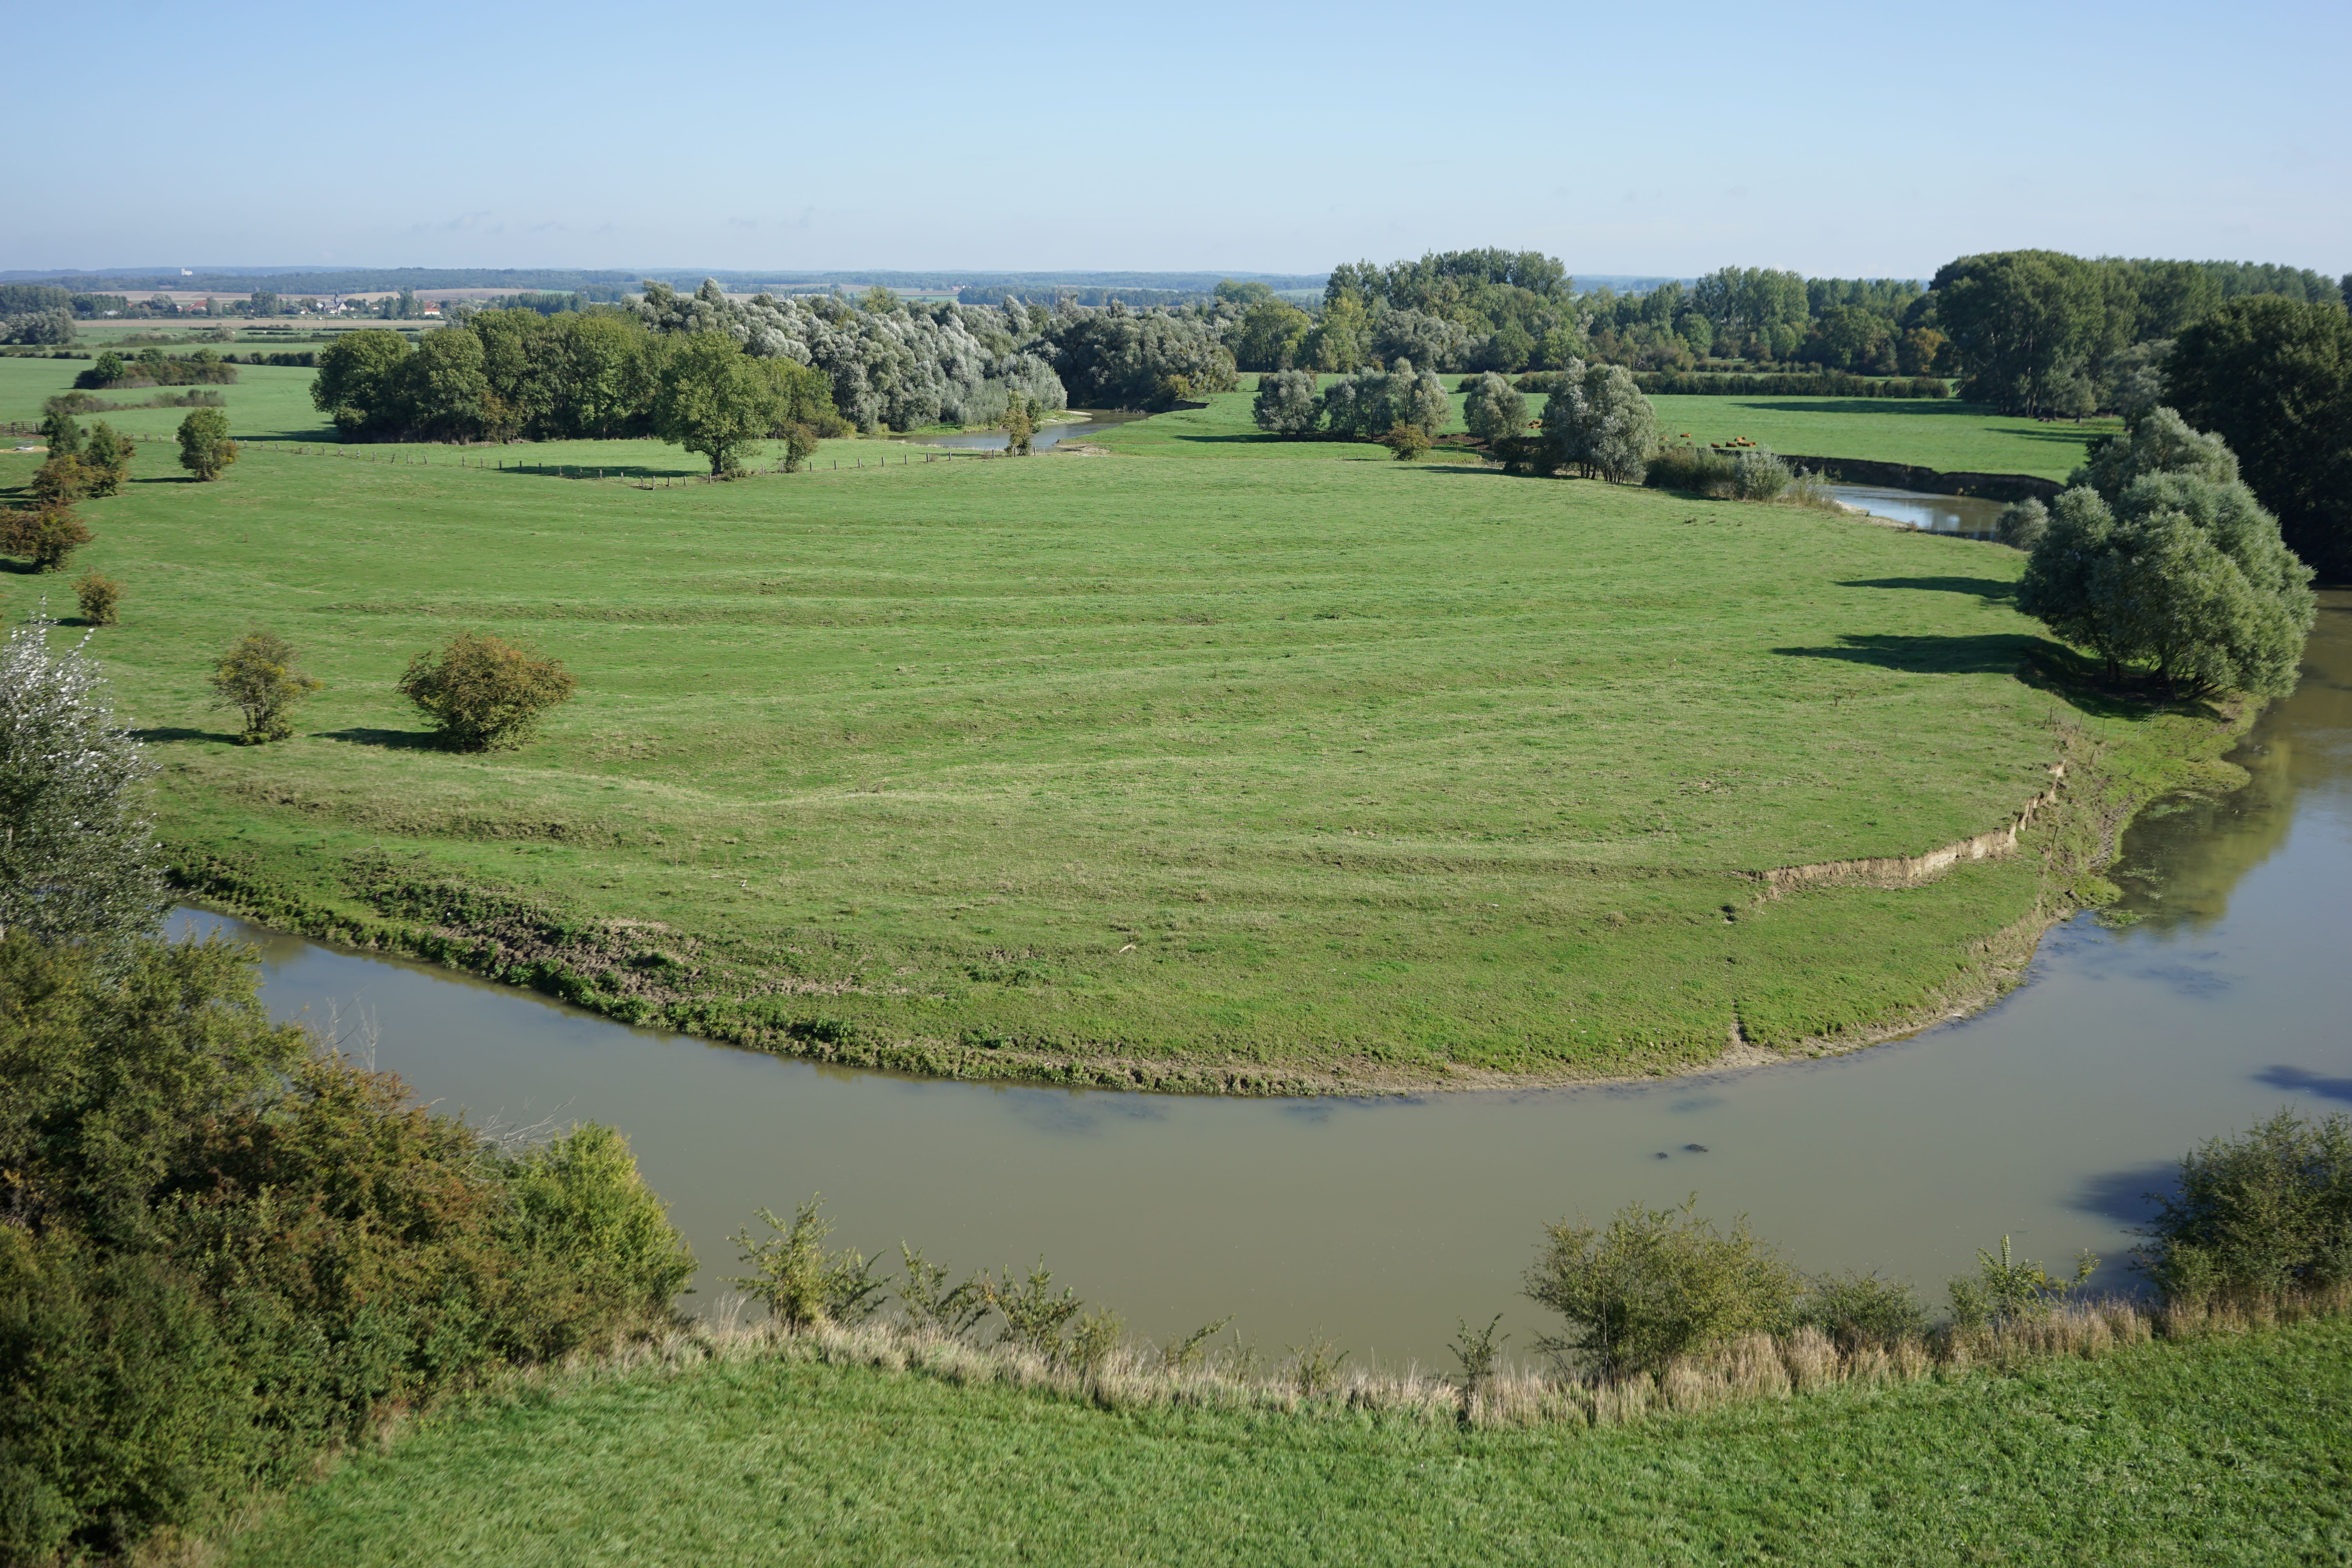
106, 370
713, 400
2158, 557
1020, 424
106, 458
99, 597
1597, 421
61, 480
1286, 403
258, 679
1493, 410
61, 434
484, 693
78, 858
44, 535
2273, 377
205, 446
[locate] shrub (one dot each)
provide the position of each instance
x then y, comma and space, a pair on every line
2257, 1216
1033, 1315
583, 1199
1859, 1309
2009, 1289
241, 1249
1406, 443
258, 679
800, 1283
1758, 475
2021, 524
44, 536
60, 482
98, 597
61, 435
800, 445
482, 692
1286, 403
205, 446
1699, 470
106, 458
1654, 1284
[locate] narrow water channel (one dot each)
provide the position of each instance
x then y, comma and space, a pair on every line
2223, 994
1088, 424
1970, 515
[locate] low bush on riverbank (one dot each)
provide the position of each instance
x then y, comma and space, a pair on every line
224, 1248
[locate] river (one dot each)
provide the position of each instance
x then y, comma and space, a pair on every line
1089, 423
1970, 515
2221, 994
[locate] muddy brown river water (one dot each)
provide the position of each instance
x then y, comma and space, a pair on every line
2226, 994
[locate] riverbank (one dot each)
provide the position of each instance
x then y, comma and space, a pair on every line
822, 1457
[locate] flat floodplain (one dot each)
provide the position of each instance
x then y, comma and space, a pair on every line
1346, 768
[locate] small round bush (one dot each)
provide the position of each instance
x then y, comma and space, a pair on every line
43, 535
100, 596
484, 693
257, 677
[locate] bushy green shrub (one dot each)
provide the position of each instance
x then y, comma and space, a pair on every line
1493, 409
1406, 443
258, 680
1859, 1309
206, 449
483, 692
2010, 1289
2257, 1216
797, 1280
1654, 1284
1701, 470
98, 597
223, 1248
1759, 475
106, 457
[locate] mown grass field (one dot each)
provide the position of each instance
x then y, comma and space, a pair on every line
264, 403
1278, 774
2221, 1451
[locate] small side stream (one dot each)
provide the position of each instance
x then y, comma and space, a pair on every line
2046, 1118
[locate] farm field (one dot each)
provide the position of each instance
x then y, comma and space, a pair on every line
2219, 1451
1276, 774
264, 403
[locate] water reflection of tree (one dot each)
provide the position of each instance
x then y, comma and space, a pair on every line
2183, 857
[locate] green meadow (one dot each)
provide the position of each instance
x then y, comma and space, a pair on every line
2229, 1450
1308, 771
1944, 435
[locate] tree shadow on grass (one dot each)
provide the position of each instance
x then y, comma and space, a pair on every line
165, 734
392, 739
1982, 588
1990, 654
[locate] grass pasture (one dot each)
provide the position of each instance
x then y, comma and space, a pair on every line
1239, 774
2227, 1451
267, 402
1944, 435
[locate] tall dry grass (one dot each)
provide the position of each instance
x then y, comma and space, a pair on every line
1754, 1368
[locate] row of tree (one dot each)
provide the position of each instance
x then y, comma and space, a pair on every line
1504, 310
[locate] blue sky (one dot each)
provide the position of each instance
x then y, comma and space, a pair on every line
1838, 139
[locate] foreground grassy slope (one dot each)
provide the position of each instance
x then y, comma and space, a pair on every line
2221, 1451
1181, 769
